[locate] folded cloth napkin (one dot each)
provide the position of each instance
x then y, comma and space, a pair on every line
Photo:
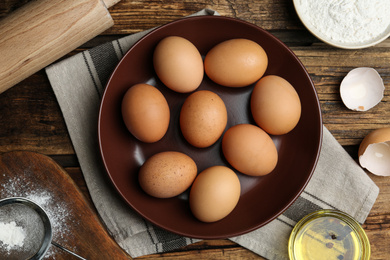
78, 83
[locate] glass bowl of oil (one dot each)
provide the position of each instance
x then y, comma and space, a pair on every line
328, 234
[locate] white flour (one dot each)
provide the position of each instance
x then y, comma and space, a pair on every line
347, 21
11, 235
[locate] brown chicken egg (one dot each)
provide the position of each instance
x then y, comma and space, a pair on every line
203, 118
249, 150
275, 105
167, 174
214, 193
145, 112
236, 63
178, 64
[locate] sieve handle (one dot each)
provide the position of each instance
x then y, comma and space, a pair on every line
67, 250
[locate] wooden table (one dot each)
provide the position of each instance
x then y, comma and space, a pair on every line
31, 119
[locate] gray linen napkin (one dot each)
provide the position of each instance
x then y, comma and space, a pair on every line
78, 83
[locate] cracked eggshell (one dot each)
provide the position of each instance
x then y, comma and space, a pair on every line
362, 89
374, 152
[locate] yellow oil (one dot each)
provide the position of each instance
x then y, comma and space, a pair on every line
328, 235
327, 238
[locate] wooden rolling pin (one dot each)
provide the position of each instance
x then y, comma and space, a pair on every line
42, 31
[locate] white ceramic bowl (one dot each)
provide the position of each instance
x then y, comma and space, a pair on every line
308, 23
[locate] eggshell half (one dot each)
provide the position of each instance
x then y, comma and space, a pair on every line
362, 89
374, 152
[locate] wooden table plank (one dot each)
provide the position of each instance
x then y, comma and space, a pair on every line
136, 15
31, 118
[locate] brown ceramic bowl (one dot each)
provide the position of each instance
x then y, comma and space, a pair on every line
262, 198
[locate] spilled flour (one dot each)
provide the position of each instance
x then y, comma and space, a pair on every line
347, 21
13, 233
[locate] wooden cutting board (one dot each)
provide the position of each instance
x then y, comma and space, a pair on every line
75, 224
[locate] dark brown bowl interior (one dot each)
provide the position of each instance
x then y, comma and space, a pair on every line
262, 198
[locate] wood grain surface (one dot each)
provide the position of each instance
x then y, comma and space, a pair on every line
31, 119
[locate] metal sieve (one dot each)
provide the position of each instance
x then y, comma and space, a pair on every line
45, 224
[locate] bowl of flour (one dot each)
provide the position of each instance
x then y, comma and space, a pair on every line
348, 24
